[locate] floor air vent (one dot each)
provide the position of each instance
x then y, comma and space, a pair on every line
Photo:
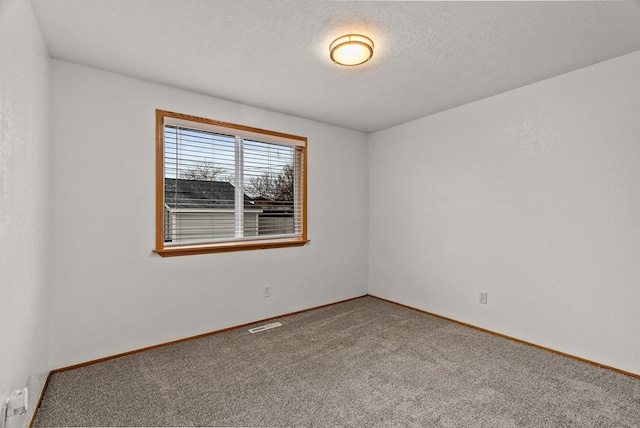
264, 327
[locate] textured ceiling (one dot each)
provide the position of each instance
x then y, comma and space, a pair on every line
429, 56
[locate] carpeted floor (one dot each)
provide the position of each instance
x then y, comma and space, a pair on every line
361, 363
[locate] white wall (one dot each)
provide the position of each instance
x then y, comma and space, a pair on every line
111, 294
24, 95
532, 196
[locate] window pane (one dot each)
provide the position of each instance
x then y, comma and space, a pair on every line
199, 196
269, 179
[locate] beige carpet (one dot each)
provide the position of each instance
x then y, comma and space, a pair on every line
361, 363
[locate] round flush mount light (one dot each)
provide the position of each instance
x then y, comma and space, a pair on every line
352, 49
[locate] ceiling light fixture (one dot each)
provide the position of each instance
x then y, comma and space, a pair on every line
352, 49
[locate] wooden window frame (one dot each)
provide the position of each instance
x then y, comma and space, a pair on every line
226, 246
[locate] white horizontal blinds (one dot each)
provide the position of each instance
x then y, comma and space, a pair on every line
298, 190
199, 169
272, 179
238, 193
240, 131
222, 187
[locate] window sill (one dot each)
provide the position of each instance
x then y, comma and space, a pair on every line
228, 247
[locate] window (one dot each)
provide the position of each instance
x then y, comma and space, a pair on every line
226, 187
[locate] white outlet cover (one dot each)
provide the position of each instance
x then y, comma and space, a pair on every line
483, 298
17, 404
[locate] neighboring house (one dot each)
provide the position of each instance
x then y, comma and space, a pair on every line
277, 216
199, 210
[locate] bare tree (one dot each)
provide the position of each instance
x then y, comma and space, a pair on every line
273, 186
205, 171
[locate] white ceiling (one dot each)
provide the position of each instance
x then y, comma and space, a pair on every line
273, 54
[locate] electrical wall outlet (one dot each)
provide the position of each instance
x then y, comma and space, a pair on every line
266, 290
16, 405
483, 298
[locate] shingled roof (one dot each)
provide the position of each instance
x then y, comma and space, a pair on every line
181, 193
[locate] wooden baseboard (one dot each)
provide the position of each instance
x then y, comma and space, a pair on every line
604, 366
173, 342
